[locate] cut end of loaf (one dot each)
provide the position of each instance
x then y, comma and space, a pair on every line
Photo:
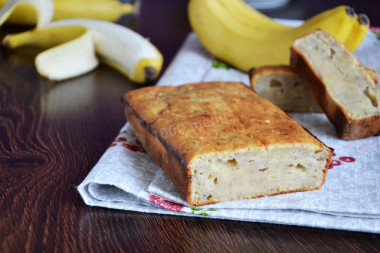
283, 87
247, 174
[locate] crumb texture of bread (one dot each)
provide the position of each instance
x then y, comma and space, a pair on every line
248, 173
345, 90
283, 87
223, 142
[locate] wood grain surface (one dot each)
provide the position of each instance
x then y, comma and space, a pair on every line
53, 133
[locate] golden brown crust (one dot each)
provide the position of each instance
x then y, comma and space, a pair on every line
168, 162
272, 69
211, 108
175, 124
346, 127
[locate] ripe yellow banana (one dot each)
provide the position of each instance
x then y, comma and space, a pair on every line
338, 21
245, 38
115, 45
358, 32
110, 10
42, 10
245, 14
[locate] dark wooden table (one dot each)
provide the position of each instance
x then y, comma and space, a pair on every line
52, 134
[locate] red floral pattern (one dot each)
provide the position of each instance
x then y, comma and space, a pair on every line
346, 159
134, 146
165, 203
376, 31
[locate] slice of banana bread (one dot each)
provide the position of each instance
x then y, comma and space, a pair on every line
341, 86
283, 87
221, 142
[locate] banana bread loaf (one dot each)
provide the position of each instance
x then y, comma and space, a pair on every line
222, 142
341, 86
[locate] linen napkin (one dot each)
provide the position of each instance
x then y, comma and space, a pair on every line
127, 178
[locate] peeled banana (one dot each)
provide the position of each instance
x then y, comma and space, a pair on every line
114, 45
75, 46
245, 38
110, 10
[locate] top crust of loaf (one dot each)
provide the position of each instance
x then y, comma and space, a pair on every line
271, 69
189, 119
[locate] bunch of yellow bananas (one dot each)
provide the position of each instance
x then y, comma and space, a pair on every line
110, 10
245, 38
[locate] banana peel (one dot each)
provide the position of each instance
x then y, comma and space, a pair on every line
70, 59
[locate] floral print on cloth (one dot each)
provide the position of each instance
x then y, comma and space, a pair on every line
376, 32
347, 159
